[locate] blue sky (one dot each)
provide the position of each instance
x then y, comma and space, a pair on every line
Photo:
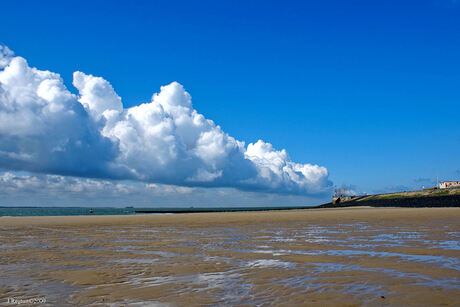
369, 90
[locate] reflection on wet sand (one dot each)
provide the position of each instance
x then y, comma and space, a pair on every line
341, 257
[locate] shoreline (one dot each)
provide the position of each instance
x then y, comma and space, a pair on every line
317, 214
400, 200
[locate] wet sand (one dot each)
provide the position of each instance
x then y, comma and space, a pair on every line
343, 257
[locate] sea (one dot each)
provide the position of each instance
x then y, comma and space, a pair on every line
61, 211
66, 211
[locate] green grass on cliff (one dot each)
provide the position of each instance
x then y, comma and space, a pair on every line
442, 192
391, 196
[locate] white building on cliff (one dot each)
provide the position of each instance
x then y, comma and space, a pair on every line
449, 184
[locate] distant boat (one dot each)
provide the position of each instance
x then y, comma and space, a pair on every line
91, 211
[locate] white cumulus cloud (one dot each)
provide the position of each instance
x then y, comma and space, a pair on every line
46, 129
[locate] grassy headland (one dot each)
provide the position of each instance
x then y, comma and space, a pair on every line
421, 198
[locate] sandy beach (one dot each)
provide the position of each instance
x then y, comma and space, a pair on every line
342, 257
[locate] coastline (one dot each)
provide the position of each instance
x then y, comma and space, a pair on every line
314, 214
403, 200
413, 199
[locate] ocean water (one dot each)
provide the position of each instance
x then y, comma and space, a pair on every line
62, 211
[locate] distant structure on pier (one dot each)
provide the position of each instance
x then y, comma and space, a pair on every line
449, 184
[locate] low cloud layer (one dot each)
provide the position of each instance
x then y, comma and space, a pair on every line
46, 129
32, 189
